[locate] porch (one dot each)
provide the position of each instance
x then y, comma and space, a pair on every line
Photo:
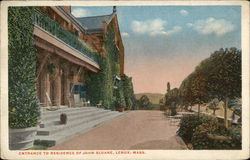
63, 62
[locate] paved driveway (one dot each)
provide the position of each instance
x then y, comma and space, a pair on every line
134, 130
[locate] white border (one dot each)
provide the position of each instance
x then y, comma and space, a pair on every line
150, 154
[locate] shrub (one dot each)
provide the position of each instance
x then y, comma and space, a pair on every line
23, 102
173, 110
120, 101
128, 90
200, 139
223, 138
189, 123
236, 134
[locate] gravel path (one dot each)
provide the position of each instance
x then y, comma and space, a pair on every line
134, 130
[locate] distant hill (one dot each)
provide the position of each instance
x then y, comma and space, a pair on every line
153, 97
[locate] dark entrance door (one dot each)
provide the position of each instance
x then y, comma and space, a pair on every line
79, 92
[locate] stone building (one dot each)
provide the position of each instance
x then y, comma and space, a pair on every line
67, 48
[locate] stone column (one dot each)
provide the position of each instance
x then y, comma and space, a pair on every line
45, 87
66, 84
58, 86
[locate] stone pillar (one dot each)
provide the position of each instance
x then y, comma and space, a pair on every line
58, 85
45, 87
66, 84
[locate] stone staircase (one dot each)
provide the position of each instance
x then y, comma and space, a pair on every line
79, 120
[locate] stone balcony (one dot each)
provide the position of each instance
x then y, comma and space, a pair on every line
50, 35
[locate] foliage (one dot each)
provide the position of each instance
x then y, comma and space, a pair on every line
128, 91
172, 99
226, 138
218, 76
23, 102
100, 86
161, 101
199, 87
144, 102
185, 92
196, 129
168, 87
235, 132
119, 98
213, 105
200, 138
225, 78
51, 68
189, 123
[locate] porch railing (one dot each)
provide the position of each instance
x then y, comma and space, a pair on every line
67, 37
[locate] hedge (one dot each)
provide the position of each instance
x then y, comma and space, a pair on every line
226, 138
23, 102
189, 123
204, 132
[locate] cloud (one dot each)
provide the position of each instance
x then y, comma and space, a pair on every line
79, 12
153, 27
125, 34
212, 25
184, 12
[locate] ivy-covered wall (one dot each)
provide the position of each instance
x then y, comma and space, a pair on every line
99, 86
23, 103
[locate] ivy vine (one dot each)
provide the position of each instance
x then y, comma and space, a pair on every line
99, 86
128, 91
23, 102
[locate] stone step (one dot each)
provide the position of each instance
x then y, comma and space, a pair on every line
55, 120
65, 134
80, 121
48, 114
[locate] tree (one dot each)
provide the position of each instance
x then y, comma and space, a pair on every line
172, 99
199, 88
218, 76
161, 103
225, 76
144, 102
168, 87
128, 90
185, 92
214, 105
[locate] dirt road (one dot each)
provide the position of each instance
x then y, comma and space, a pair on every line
134, 130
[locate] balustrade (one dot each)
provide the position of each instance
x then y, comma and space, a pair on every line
67, 37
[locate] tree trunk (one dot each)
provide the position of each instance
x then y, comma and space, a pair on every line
199, 110
225, 112
214, 112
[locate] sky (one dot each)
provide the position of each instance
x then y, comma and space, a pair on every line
165, 43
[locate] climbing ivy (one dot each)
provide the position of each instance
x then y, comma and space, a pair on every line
128, 91
23, 103
99, 86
